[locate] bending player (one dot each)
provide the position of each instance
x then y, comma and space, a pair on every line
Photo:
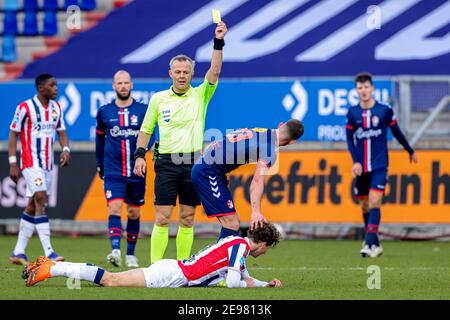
209, 174
223, 260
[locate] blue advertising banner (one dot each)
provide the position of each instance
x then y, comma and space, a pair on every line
321, 104
265, 38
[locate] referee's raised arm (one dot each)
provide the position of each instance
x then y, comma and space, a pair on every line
216, 62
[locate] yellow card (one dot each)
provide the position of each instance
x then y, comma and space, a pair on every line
216, 16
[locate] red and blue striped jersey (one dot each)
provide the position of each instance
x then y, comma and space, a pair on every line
120, 128
210, 265
37, 125
367, 135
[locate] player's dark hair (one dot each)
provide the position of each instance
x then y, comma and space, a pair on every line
40, 79
363, 77
268, 233
295, 128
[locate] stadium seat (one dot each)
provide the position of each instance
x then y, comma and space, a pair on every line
50, 23
30, 5
8, 49
68, 3
10, 23
11, 5
50, 5
30, 23
88, 5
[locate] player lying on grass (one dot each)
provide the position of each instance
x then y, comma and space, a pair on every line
224, 260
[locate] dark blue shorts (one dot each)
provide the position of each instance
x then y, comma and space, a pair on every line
374, 180
130, 190
211, 186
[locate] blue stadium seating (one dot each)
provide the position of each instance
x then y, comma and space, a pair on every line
50, 5
8, 49
11, 5
68, 3
50, 23
88, 5
30, 5
30, 23
10, 23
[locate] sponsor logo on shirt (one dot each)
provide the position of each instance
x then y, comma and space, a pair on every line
117, 132
361, 134
49, 127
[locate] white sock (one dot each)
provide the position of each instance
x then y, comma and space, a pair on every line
26, 230
81, 271
43, 229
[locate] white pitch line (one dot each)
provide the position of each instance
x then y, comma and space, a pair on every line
346, 268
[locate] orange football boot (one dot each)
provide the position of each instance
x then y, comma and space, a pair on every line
40, 272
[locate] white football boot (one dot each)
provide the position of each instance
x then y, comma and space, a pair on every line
114, 258
365, 252
131, 261
376, 251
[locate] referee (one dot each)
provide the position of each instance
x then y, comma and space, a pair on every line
180, 113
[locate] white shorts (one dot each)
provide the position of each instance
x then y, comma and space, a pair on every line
37, 179
164, 274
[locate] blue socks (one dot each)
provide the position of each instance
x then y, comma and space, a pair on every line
366, 221
372, 227
115, 231
225, 232
132, 235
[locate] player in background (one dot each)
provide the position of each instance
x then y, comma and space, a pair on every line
209, 174
117, 129
225, 260
36, 120
366, 128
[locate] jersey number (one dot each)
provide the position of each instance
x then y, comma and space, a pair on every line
243, 134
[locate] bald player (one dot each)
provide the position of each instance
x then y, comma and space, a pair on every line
118, 125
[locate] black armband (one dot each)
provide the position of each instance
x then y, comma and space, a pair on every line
139, 153
218, 44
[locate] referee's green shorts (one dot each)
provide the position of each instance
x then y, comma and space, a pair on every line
173, 179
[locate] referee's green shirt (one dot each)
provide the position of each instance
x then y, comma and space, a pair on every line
181, 119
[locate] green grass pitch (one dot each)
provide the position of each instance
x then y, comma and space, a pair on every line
317, 269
